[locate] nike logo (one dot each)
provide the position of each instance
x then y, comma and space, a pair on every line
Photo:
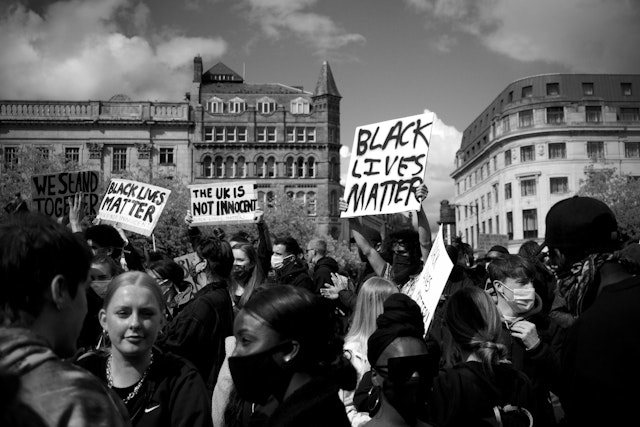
147, 410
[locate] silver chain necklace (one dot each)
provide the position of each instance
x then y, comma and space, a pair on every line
138, 385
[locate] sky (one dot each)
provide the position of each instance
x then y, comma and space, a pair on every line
390, 58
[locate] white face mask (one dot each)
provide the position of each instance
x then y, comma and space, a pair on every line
522, 300
277, 261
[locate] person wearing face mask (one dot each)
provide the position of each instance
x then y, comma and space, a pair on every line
286, 349
533, 340
406, 248
402, 366
287, 267
246, 274
177, 291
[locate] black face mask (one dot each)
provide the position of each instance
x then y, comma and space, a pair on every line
402, 268
240, 273
258, 376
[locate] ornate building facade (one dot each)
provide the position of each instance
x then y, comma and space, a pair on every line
532, 146
285, 138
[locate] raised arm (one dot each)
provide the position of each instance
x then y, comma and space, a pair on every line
424, 231
373, 256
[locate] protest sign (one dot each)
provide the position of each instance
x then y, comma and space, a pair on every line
223, 203
136, 206
388, 162
188, 262
51, 193
428, 287
486, 241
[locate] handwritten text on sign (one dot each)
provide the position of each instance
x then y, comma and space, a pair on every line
428, 287
136, 206
388, 162
223, 203
51, 193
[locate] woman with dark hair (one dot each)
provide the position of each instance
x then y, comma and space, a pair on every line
469, 393
158, 389
170, 277
402, 366
246, 274
286, 348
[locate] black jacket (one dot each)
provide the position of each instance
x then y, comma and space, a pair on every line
197, 333
296, 274
322, 272
172, 395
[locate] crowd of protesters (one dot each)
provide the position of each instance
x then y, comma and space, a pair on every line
264, 333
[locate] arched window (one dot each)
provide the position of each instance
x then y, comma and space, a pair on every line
300, 167
260, 167
290, 194
311, 203
206, 166
333, 203
290, 171
215, 105
300, 106
311, 167
229, 171
270, 199
219, 168
300, 197
241, 169
236, 105
271, 167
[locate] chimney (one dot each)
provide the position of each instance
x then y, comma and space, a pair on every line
197, 69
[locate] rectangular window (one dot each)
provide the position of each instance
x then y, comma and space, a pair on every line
311, 134
630, 114
119, 161
10, 157
587, 89
219, 134
632, 149
510, 225
488, 200
530, 223
527, 153
291, 136
528, 187
553, 89
559, 185
242, 133
490, 224
495, 193
527, 91
507, 191
626, 89
506, 127
72, 154
525, 118
497, 224
43, 152
166, 156
595, 150
555, 115
299, 134
507, 157
510, 96
481, 202
557, 150
593, 114
484, 228
232, 134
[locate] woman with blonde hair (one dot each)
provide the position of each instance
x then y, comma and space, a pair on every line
369, 305
158, 388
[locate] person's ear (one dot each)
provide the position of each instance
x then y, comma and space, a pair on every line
375, 378
59, 292
291, 353
497, 285
102, 318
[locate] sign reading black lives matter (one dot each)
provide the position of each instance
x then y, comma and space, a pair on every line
51, 193
135, 206
223, 203
388, 163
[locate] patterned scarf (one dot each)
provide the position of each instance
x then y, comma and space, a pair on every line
573, 286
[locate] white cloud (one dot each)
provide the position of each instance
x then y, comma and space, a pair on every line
291, 18
79, 50
345, 152
583, 35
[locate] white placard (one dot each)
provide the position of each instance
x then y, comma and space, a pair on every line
223, 203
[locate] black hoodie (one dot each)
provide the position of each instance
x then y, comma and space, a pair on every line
322, 272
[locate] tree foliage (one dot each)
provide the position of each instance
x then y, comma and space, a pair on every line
620, 192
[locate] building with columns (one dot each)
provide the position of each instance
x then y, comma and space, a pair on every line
285, 138
533, 144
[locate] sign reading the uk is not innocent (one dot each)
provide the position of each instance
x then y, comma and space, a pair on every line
136, 206
388, 163
223, 203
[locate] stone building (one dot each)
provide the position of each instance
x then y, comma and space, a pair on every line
531, 146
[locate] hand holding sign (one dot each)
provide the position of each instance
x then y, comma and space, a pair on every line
76, 209
421, 192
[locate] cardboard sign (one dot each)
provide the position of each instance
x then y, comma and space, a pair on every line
487, 241
428, 287
136, 206
388, 162
223, 203
188, 262
51, 193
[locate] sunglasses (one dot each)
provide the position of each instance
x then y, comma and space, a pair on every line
401, 369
